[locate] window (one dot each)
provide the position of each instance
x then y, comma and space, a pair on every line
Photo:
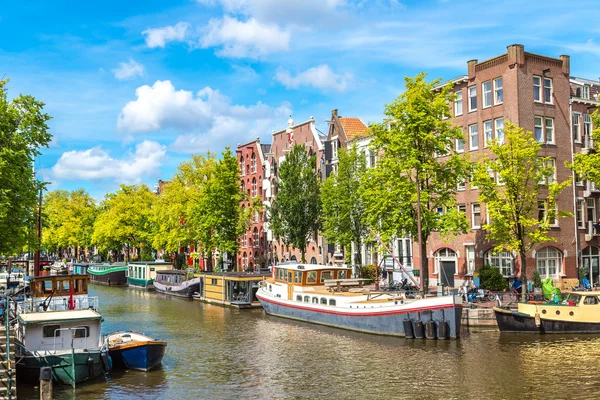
537, 88
51, 331
576, 131
334, 148
444, 254
458, 104
579, 214
82, 332
306, 299
498, 95
253, 163
332, 302
473, 137
488, 133
323, 301
543, 213
591, 209
404, 252
462, 208
326, 275
475, 216
548, 90
311, 277
298, 298
473, 98
254, 187
585, 92
499, 123
590, 259
552, 164
503, 261
315, 300
371, 159
460, 145
549, 130
461, 185
587, 130
470, 253
548, 262
538, 130
255, 241
486, 88
297, 276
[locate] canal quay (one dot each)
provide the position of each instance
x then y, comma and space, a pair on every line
225, 353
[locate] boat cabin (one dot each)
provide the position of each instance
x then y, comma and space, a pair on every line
142, 273
80, 268
54, 293
171, 277
235, 289
310, 274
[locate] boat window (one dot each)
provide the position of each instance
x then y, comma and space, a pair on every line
332, 302
323, 300
315, 300
572, 299
342, 274
270, 288
326, 275
50, 330
82, 332
47, 286
213, 282
297, 276
298, 298
590, 300
152, 269
311, 277
306, 299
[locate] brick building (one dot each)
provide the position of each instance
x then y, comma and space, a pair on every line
253, 243
534, 92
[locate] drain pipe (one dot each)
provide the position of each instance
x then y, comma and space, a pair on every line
574, 185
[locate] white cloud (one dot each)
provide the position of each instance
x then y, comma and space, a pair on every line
128, 70
207, 117
320, 77
244, 39
159, 37
97, 164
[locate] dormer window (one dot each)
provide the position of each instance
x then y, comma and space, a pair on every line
585, 92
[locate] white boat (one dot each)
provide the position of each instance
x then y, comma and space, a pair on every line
14, 279
326, 295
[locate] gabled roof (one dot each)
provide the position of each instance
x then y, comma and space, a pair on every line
354, 127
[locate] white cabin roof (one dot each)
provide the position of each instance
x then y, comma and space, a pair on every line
310, 267
59, 316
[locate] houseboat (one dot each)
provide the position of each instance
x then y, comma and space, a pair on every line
141, 274
232, 289
108, 274
579, 312
59, 327
176, 283
80, 268
132, 350
325, 295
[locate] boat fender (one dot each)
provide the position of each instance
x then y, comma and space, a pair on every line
443, 330
408, 329
90, 366
106, 361
419, 329
430, 330
538, 321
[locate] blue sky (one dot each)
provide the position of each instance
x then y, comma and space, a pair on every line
135, 87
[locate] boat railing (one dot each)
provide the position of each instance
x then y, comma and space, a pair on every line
58, 304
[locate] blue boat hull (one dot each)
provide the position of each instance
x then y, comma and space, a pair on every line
143, 357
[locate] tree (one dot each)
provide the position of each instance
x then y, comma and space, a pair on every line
170, 215
411, 191
513, 206
125, 219
23, 131
587, 166
343, 208
295, 212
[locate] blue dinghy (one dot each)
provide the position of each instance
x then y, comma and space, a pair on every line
132, 350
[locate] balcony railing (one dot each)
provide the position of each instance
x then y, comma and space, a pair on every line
58, 304
588, 142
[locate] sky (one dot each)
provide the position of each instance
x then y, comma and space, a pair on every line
135, 87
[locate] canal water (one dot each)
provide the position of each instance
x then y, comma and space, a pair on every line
221, 353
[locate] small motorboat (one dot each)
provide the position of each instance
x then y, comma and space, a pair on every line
132, 350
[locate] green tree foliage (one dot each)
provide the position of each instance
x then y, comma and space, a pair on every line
537, 279
68, 219
491, 278
513, 206
587, 166
416, 148
341, 198
125, 219
296, 211
23, 131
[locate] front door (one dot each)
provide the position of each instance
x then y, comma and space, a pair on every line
290, 280
447, 270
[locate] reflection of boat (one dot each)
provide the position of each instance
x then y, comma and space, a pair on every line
142, 274
108, 274
578, 313
131, 350
324, 295
176, 283
59, 327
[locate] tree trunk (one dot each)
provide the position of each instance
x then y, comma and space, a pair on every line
523, 257
303, 253
424, 266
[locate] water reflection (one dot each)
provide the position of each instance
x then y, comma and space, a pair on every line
222, 353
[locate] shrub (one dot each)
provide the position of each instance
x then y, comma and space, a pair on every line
536, 279
368, 272
491, 278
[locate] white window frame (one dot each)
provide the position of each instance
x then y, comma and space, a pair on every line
590, 207
539, 126
470, 258
585, 92
542, 262
579, 213
498, 90
499, 127
486, 94
576, 127
460, 145
504, 261
461, 185
334, 148
458, 103
473, 134
488, 132
552, 128
551, 100
539, 87
587, 130
473, 226
472, 95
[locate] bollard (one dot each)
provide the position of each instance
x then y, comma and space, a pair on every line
443, 330
46, 383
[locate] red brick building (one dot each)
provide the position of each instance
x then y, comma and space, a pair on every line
534, 92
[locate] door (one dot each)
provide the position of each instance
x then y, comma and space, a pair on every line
447, 270
290, 282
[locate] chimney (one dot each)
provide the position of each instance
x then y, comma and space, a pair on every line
516, 54
471, 68
334, 113
566, 64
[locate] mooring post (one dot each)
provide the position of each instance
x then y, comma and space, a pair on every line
46, 383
